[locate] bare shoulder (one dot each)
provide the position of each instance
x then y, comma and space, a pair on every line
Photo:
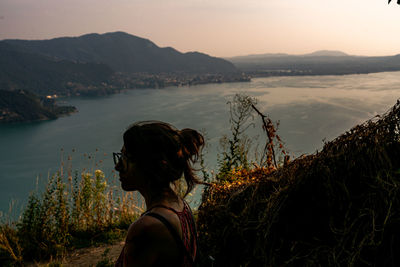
148, 241
146, 226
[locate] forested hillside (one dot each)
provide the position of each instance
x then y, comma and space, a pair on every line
98, 64
19, 106
125, 53
43, 75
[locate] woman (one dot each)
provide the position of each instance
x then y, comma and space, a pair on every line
153, 156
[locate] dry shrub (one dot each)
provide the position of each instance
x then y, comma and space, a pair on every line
339, 207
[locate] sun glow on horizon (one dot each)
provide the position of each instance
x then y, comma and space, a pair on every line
220, 27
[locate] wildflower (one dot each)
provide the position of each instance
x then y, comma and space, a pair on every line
99, 173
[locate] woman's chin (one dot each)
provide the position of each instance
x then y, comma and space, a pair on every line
126, 187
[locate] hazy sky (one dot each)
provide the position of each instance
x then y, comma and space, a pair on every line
217, 27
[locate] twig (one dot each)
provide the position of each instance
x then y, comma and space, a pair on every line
266, 125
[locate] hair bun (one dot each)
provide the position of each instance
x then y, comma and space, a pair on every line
192, 142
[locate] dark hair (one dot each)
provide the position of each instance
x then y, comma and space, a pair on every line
163, 152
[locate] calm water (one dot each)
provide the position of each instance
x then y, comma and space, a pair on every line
309, 109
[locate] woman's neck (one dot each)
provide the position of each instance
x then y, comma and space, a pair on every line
163, 197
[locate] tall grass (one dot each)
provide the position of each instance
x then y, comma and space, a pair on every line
74, 210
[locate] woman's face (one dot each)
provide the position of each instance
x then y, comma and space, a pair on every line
130, 176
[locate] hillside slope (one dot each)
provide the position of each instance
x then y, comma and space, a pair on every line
339, 207
22, 106
24, 70
125, 53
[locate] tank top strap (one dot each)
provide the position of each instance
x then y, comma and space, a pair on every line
165, 207
185, 209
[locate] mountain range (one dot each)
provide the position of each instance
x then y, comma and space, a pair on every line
318, 63
123, 52
97, 62
103, 63
319, 53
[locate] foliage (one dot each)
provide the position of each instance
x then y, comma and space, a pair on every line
235, 154
338, 207
70, 213
236, 148
10, 249
19, 106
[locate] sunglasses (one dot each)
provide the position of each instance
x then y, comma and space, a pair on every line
117, 157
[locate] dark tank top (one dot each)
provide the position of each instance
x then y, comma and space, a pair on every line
187, 244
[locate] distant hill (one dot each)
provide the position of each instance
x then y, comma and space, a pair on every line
318, 63
319, 53
22, 106
326, 53
23, 70
124, 53
97, 64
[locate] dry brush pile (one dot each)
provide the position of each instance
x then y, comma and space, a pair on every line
338, 207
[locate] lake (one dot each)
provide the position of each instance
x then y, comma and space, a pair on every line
310, 109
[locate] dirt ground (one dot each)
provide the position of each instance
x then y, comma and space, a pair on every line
87, 257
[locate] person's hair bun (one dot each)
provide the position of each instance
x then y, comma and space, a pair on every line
163, 152
192, 142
